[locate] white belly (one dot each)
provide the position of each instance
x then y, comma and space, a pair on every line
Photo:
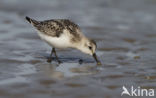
57, 42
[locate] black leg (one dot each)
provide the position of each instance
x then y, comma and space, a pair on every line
50, 58
56, 56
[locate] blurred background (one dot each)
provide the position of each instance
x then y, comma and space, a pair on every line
123, 29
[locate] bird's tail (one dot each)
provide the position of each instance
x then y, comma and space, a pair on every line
31, 21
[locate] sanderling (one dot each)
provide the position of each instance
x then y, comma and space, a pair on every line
62, 33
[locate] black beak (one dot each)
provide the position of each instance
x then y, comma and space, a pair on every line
95, 57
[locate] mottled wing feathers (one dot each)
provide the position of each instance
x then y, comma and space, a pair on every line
56, 27
32, 21
51, 28
72, 28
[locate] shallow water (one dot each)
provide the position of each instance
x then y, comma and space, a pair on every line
123, 29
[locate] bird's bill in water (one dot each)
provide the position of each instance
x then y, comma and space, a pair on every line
95, 57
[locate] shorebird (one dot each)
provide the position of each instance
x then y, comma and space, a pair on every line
63, 33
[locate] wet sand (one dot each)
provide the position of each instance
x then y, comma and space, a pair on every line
123, 29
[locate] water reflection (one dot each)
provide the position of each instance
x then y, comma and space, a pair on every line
66, 70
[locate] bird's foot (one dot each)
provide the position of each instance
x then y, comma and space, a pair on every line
49, 60
80, 61
59, 62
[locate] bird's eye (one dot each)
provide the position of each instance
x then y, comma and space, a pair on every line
90, 47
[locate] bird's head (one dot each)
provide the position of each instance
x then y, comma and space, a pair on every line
89, 47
